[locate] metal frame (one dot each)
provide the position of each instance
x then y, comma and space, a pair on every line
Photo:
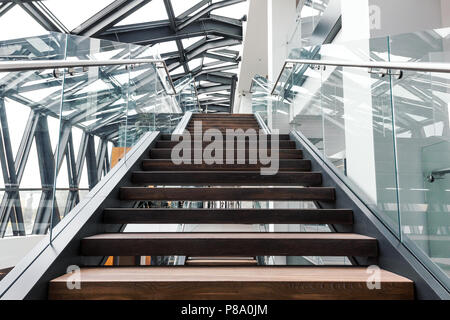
16, 66
371, 65
216, 32
105, 127
262, 124
29, 279
393, 255
179, 130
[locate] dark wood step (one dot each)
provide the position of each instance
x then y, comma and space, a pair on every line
221, 261
223, 178
222, 121
282, 153
237, 125
231, 194
170, 144
168, 165
229, 244
224, 128
227, 216
223, 116
168, 137
230, 283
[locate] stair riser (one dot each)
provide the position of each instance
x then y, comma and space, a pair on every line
232, 290
227, 178
168, 137
225, 116
283, 154
281, 145
226, 217
234, 126
229, 247
227, 122
228, 194
168, 165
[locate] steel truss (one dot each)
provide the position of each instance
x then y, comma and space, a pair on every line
13, 168
217, 32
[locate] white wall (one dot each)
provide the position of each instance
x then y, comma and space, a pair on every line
254, 52
380, 18
281, 24
405, 16
13, 249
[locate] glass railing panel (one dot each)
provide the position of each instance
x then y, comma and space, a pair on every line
94, 104
64, 129
187, 94
422, 116
29, 133
310, 15
29, 123
346, 114
385, 134
306, 108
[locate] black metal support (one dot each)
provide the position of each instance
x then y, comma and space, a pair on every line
11, 208
393, 255
29, 279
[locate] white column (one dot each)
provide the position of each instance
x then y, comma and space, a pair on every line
357, 85
281, 25
245, 103
445, 12
254, 50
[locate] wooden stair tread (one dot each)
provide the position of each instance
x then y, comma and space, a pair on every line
282, 144
231, 194
238, 282
220, 261
229, 244
166, 153
228, 216
229, 235
223, 178
269, 274
284, 165
168, 137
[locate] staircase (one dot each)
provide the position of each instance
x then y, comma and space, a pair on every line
222, 265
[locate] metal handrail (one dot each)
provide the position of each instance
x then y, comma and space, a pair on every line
404, 66
262, 124
16, 66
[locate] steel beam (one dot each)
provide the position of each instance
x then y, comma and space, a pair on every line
42, 15
204, 89
207, 10
47, 205
11, 208
108, 17
213, 44
5, 7
161, 31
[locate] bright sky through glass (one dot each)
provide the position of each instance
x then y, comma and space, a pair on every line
73, 13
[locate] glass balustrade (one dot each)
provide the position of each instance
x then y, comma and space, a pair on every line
187, 94
386, 135
62, 130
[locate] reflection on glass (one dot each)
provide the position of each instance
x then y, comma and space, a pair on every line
76, 123
422, 115
387, 138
